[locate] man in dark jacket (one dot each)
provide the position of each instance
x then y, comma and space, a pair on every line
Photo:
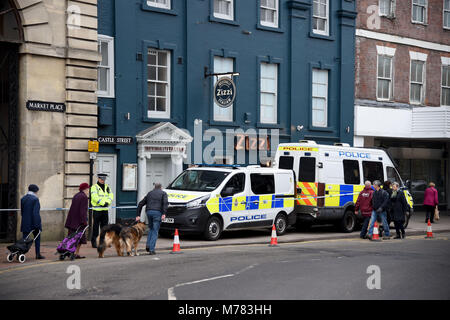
380, 202
156, 204
31, 217
364, 203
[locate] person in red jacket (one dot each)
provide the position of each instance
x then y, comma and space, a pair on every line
430, 201
364, 204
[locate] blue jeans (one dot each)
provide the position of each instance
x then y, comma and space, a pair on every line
154, 222
383, 216
364, 227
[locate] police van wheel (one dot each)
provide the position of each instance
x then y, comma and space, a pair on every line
348, 222
213, 229
281, 224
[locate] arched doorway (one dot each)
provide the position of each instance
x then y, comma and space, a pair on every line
11, 36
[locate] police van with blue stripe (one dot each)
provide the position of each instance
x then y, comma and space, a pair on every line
209, 200
329, 179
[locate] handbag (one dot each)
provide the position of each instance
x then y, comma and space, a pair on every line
436, 213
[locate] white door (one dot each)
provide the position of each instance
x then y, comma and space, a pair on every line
158, 170
106, 163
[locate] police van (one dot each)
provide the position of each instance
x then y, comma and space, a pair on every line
329, 179
209, 200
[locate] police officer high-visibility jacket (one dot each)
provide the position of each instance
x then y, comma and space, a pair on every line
101, 199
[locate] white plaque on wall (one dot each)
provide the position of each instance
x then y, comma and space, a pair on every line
129, 177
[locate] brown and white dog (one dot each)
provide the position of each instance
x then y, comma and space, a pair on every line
122, 237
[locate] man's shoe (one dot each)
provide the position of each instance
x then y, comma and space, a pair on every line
152, 253
398, 237
40, 257
403, 236
147, 249
387, 238
94, 245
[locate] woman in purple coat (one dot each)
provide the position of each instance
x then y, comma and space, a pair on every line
77, 216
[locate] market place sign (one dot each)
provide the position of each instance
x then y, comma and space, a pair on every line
224, 92
115, 140
46, 106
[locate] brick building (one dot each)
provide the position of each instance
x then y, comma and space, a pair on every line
48, 53
402, 92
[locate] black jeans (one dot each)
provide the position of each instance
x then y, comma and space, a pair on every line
364, 227
399, 228
100, 220
430, 213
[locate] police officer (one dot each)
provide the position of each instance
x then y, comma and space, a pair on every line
101, 199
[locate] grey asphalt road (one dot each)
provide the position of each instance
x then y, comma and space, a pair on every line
413, 268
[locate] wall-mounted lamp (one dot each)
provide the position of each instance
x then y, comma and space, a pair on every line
127, 116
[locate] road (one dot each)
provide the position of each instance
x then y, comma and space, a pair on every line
413, 268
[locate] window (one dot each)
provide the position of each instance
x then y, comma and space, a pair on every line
384, 79
237, 182
387, 8
165, 4
320, 98
286, 163
269, 13
447, 14
223, 65
445, 95
262, 183
198, 180
373, 170
419, 11
223, 9
392, 175
320, 17
417, 82
105, 76
307, 170
269, 93
351, 172
158, 82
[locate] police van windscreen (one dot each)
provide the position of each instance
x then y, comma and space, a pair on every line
198, 180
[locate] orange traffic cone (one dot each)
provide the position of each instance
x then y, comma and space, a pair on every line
176, 243
274, 239
376, 235
429, 231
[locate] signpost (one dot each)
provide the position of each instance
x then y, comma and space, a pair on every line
93, 147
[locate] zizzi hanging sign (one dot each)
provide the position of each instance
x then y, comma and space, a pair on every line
224, 92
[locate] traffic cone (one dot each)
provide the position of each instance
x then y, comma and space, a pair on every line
176, 243
375, 236
274, 239
429, 231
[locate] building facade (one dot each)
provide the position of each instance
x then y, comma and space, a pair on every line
402, 94
48, 105
293, 65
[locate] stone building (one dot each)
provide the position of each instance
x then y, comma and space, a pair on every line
48, 54
402, 93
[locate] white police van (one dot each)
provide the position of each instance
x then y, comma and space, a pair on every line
329, 179
212, 199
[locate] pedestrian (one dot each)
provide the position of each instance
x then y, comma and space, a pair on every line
399, 207
77, 216
156, 204
380, 202
101, 199
364, 204
430, 201
31, 217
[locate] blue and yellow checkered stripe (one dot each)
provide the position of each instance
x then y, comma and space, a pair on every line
340, 194
262, 202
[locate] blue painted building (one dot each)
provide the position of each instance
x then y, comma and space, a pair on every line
295, 66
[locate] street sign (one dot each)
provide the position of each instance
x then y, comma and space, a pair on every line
115, 140
93, 146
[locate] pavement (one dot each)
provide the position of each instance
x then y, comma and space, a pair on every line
233, 238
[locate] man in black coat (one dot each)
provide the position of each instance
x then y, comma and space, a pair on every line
380, 203
156, 204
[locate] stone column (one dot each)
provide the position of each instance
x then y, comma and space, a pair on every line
142, 178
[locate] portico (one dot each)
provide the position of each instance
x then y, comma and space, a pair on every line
161, 151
